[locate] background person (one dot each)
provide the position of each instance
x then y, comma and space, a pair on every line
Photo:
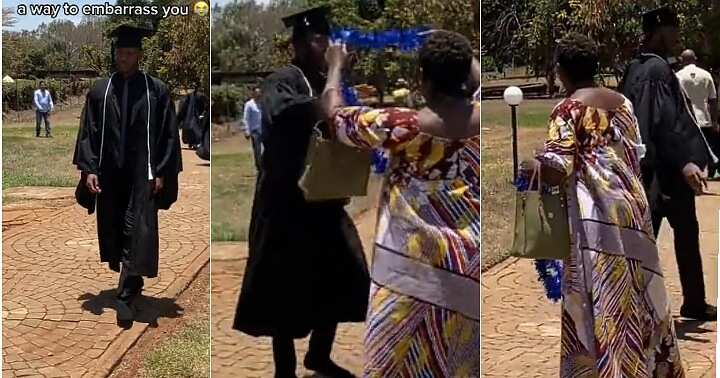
42, 100
677, 154
252, 125
699, 86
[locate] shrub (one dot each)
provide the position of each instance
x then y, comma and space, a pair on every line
227, 101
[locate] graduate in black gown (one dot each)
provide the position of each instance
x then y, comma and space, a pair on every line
128, 151
306, 270
193, 109
677, 153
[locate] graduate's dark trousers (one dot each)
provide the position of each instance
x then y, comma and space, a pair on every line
321, 341
713, 139
680, 213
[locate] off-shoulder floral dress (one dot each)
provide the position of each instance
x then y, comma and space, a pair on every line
615, 313
424, 313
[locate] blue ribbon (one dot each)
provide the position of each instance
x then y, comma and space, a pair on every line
406, 40
550, 274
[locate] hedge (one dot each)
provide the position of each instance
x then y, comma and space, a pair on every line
19, 95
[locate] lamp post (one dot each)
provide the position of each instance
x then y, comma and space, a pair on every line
513, 96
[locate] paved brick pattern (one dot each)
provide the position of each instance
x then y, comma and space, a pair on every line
237, 355
58, 316
521, 329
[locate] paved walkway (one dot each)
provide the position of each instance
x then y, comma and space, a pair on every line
521, 329
237, 355
58, 316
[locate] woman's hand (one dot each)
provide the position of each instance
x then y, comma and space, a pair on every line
336, 55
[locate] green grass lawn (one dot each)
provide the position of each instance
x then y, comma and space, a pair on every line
184, 355
233, 188
31, 161
497, 192
531, 113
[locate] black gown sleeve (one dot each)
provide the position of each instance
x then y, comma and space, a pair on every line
671, 139
284, 104
87, 145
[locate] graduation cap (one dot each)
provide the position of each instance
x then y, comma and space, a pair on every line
657, 18
309, 21
128, 35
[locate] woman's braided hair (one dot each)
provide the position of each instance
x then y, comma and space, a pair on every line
445, 58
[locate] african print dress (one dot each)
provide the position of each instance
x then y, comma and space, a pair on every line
424, 313
615, 314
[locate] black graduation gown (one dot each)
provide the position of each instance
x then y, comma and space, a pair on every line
191, 109
127, 212
667, 127
203, 151
306, 265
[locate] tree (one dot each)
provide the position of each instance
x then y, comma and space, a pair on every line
8, 18
178, 52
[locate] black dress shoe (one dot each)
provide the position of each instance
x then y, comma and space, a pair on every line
326, 368
704, 312
132, 287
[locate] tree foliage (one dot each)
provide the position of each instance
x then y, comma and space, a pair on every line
523, 32
178, 53
250, 37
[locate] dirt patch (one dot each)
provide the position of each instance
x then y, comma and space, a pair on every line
195, 301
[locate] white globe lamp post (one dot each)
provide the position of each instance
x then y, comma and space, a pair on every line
513, 96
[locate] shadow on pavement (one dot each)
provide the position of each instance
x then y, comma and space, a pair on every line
691, 330
147, 309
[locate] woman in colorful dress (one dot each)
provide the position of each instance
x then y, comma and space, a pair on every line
424, 311
615, 312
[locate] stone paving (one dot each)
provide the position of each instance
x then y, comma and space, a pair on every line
237, 355
521, 329
58, 316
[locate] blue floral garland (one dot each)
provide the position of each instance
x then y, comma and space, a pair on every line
406, 40
549, 272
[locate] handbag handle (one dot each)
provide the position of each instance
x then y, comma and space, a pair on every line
537, 171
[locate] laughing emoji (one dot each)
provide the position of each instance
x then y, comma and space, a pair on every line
201, 8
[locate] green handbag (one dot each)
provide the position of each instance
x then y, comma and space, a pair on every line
334, 170
541, 224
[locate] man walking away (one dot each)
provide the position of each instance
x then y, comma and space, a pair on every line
700, 88
42, 99
252, 125
673, 167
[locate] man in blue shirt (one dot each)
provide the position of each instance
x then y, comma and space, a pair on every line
252, 121
42, 100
